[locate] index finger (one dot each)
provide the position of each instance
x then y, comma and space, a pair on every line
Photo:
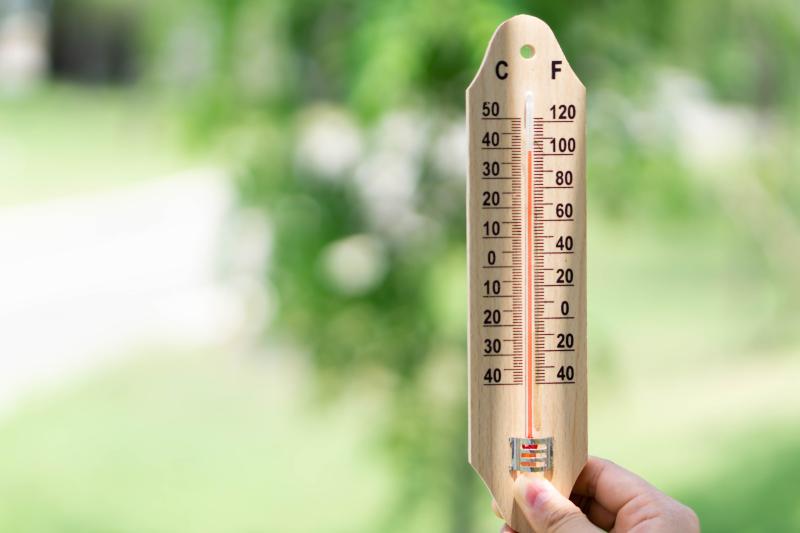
609, 484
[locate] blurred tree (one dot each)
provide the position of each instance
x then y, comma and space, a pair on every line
93, 43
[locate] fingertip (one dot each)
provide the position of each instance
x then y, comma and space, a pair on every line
546, 509
531, 491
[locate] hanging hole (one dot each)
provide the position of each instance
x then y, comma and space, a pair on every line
527, 51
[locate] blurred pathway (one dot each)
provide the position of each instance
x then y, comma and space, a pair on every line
94, 277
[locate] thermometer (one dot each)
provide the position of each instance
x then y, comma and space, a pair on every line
526, 201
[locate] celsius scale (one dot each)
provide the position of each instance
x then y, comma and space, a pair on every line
526, 202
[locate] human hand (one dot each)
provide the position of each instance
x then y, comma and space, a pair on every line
605, 497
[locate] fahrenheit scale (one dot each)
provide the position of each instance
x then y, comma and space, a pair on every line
527, 261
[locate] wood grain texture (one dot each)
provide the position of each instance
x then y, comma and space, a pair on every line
529, 398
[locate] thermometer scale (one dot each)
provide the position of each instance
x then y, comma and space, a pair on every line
526, 206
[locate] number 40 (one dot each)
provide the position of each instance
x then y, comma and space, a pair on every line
566, 373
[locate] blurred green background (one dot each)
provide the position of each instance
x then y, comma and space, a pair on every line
233, 275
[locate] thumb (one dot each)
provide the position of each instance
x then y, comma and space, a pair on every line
547, 510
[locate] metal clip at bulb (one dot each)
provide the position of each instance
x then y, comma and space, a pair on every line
531, 455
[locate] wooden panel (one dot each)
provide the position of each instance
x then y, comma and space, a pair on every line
527, 259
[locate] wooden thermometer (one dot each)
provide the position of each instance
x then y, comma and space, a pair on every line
526, 197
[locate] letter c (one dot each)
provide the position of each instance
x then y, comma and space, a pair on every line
501, 75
